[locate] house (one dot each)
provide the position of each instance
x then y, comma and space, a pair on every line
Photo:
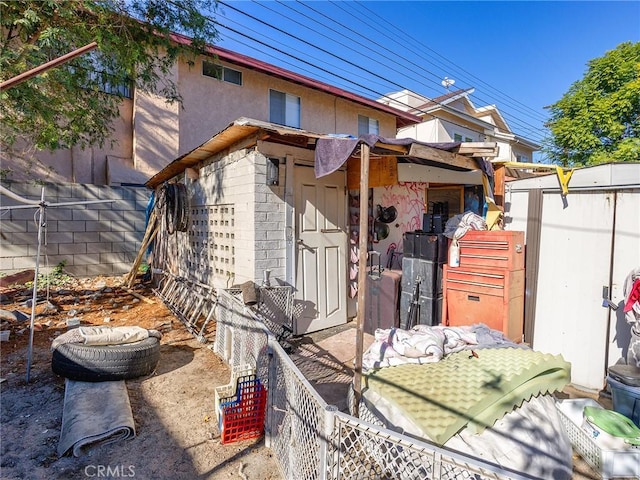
216, 90
257, 199
580, 248
453, 117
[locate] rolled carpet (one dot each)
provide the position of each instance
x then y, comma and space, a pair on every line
94, 413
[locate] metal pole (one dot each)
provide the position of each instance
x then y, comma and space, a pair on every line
362, 273
325, 444
12, 82
34, 298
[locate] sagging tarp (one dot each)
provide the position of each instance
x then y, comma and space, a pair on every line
331, 153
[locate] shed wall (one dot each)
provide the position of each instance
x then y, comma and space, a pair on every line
237, 224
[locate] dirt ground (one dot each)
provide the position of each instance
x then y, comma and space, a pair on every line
177, 435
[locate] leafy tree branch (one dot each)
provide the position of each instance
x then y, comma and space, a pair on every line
598, 119
70, 105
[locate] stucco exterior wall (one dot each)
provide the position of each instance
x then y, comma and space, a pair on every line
425, 131
93, 239
155, 132
76, 165
210, 105
150, 132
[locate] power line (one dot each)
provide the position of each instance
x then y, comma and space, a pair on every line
413, 39
525, 125
334, 74
330, 53
534, 130
315, 66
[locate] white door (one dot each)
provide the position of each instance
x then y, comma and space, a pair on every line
321, 246
575, 250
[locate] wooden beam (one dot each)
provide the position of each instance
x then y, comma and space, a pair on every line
362, 275
394, 148
480, 154
478, 149
383, 172
485, 145
441, 156
498, 187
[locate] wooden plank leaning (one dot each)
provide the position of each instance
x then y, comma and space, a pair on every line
152, 230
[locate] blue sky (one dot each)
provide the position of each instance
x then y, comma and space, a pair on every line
521, 56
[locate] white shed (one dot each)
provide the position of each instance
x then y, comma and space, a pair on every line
580, 248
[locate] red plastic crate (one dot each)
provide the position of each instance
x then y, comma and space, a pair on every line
242, 417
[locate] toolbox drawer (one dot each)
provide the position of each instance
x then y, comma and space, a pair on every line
490, 296
503, 249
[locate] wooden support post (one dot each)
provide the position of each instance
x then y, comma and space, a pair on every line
498, 187
362, 273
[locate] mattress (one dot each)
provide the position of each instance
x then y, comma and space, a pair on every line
470, 389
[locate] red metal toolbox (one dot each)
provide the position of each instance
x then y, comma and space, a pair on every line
492, 249
494, 297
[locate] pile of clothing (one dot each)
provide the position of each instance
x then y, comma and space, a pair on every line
632, 315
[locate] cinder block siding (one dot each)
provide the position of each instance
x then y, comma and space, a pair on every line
93, 239
237, 180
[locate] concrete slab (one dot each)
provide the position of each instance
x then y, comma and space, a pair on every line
326, 359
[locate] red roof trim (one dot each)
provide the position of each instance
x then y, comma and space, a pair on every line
402, 118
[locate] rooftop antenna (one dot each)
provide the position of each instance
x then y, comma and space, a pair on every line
447, 83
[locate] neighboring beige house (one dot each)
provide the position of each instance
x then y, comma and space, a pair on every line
216, 90
454, 118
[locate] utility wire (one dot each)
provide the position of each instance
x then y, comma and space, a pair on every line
310, 72
333, 74
370, 90
414, 40
525, 125
326, 52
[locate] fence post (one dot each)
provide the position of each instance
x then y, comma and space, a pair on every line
271, 393
325, 441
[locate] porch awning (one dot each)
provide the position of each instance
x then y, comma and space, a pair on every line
332, 151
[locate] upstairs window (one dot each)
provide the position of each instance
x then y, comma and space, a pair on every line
108, 83
226, 74
99, 72
457, 137
368, 125
522, 158
284, 109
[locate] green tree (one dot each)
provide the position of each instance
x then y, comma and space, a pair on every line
598, 119
68, 105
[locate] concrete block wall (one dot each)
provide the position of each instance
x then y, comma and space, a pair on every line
93, 239
239, 179
270, 223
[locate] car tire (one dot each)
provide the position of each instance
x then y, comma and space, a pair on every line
103, 363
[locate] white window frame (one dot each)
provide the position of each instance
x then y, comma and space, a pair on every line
292, 109
222, 75
373, 125
459, 137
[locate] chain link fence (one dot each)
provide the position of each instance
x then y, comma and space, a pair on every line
312, 440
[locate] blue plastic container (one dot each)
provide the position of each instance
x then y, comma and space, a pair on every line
626, 399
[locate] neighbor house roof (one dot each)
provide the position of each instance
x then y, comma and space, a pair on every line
403, 119
445, 99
